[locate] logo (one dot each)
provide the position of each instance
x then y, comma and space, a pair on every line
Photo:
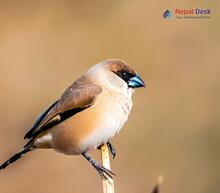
192, 13
167, 14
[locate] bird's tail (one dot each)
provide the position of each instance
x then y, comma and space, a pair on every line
16, 156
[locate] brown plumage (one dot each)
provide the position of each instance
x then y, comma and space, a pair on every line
78, 96
119, 65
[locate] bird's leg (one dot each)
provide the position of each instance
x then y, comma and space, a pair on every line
102, 170
111, 149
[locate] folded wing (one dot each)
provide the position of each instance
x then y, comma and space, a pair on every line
79, 96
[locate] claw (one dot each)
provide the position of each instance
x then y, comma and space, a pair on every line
101, 169
111, 149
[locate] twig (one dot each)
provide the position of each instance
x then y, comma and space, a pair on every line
156, 188
108, 184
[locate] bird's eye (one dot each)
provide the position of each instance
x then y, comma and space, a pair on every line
124, 74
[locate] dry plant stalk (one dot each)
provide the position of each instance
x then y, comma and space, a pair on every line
108, 184
156, 188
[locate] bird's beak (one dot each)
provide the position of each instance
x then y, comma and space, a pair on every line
136, 82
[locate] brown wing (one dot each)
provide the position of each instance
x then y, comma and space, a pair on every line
79, 96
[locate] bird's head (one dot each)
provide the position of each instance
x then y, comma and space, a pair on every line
117, 75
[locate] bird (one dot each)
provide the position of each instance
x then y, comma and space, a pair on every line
90, 112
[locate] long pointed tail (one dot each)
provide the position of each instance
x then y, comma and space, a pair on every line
15, 157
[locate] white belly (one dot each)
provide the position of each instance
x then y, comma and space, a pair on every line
115, 114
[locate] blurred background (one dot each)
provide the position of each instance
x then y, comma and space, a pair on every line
173, 129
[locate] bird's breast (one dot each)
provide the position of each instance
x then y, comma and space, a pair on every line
112, 111
92, 127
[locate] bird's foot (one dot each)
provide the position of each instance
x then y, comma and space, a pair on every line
111, 148
101, 169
